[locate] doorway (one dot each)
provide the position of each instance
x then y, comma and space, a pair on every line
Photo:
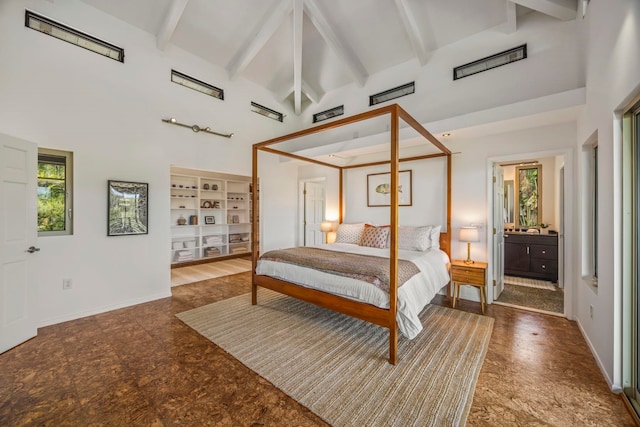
527, 239
312, 212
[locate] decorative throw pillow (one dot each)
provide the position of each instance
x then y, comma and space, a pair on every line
375, 237
349, 233
435, 236
414, 238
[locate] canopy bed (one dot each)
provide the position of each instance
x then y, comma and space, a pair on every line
394, 288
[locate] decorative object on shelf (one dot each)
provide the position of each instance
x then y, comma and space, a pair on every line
214, 187
212, 252
544, 228
469, 234
196, 128
216, 205
235, 219
206, 204
189, 244
205, 186
193, 220
181, 221
176, 245
379, 189
127, 212
209, 219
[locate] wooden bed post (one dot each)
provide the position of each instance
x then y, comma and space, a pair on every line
393, 250
383, 317
255, 229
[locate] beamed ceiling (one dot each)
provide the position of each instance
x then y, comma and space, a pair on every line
301, 49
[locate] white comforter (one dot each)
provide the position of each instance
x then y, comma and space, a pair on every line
413, 296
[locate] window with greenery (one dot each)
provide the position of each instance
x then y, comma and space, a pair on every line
54, 192
529, 195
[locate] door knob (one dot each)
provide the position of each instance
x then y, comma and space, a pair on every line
33, 249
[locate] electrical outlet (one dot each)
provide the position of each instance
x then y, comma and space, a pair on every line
66, 284
591, 311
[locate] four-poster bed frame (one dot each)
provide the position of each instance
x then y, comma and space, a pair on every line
379, 316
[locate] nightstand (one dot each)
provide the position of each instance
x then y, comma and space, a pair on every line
469, 274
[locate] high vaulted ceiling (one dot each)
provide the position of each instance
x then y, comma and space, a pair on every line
302, 49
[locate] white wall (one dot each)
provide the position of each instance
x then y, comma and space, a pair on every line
471, 174
428, 195
553, 65
109, 114
613, 78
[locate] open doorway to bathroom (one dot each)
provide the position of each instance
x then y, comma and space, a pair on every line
529, 238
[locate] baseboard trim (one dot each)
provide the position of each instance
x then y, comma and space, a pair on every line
208, 260
104, 309
595, 356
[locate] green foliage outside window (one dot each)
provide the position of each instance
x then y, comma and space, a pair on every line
51, 196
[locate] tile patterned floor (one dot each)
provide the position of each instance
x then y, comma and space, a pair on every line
141, 366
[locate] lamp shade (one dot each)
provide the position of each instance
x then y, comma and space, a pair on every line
325, 226
469, 234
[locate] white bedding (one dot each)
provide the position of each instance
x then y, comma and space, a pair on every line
413, 296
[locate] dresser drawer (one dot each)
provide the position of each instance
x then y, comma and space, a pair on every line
543, 251
546, 266
467, 275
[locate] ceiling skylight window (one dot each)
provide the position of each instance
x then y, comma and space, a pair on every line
328, 114
195, 84
267, 112
75, 37
396, 92
493, 61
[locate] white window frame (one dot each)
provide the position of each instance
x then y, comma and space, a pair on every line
68, 156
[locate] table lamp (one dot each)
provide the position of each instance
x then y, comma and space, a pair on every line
326, 227
469, 234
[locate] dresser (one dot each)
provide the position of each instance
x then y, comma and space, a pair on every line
533, 256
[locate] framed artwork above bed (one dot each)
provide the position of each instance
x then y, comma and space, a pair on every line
379, 189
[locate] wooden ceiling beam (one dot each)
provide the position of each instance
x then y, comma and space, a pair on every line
298, 7
413, 31
511, 19
259, 38
565, 10
170, 22
337, 45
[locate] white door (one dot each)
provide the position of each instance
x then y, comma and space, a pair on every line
18, 234
498, 231
313, 213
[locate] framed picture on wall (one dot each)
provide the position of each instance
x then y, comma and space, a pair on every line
128, 205
379, 189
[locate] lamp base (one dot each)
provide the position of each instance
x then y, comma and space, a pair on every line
469, 260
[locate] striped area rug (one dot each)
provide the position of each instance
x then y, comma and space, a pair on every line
210, 270
337, 366
530, 283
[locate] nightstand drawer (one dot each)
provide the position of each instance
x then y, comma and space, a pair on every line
467, 275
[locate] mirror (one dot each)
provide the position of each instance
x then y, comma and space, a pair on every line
508, 202
528, 195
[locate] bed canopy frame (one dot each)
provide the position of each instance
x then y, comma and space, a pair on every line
379, 316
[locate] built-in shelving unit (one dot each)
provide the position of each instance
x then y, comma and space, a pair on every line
210, 215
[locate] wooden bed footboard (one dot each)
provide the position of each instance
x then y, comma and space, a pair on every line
360, 310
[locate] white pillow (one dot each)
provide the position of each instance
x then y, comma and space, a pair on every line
349, 233
414, 238
435, 236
